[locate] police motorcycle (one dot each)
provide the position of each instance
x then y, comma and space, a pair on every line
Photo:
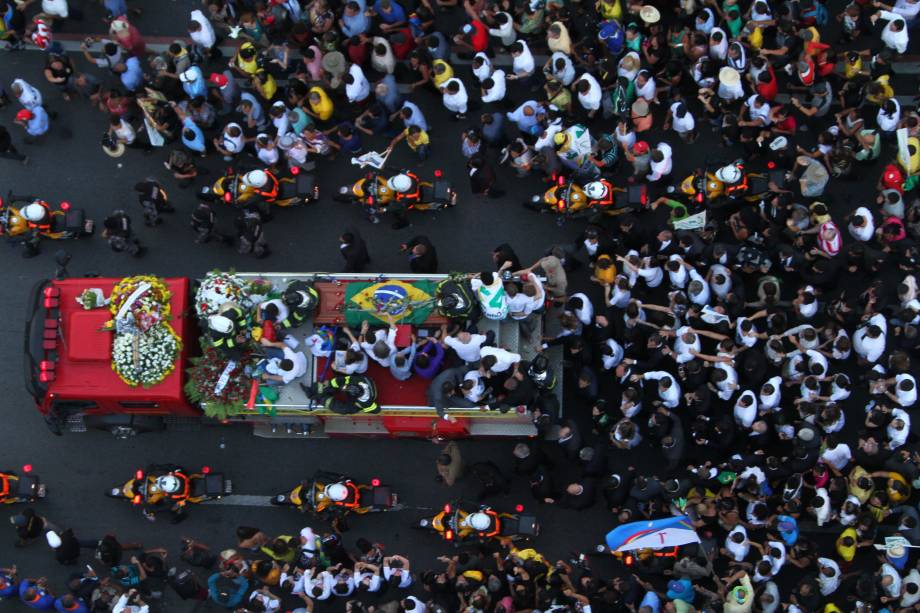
33, 219
263, 186
380, 194
595, 200
16, 488
459, 525
171, 487
333, 496
729, 184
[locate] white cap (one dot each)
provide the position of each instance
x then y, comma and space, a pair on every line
779, 143
189, 75
54, 541
255, 178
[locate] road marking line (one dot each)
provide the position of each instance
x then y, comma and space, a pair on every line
241, 500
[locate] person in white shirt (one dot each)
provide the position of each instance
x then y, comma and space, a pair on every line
771, 394
682, 120
559, 67
270, 603
455, 97
898, 428
411, 604
838, 455
381, 346
661, 162
869, 340
367, 577
589, 93
286, 369
889, 115
725, 378
318, 586
619, 294
473, 386
466, 345
686, 343
698, 288
894, 34
677, 274
201, 31
580, 305
382, 58
494, 87
611, 354
668, 388
397, 566
905, 392
862, 226
357, 87
522, 64
504, 29
745, 410
737, 544
482, 66
758, 112
498, 360
650, 272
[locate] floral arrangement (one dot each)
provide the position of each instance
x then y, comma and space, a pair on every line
154, 299
145, 347
145, 358
220, 385
218, 288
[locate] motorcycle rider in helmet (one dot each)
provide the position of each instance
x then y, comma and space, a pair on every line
346, 394
483, 522
406, 187
38, 218
600, 194
166, 484
301, 299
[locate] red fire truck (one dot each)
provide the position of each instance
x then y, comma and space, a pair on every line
69, 367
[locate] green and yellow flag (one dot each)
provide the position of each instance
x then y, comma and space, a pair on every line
391, 301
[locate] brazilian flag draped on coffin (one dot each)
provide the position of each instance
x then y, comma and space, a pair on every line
390, 301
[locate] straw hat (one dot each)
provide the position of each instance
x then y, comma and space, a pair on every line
114, 152
649, 14
729, 76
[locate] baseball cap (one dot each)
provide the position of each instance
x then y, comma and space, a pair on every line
640, 147
467, 29
218, 79
676, 586
188, 76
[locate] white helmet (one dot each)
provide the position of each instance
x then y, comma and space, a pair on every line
595, 190
220, 324
479, 521
168, 484
336, 492
33, 212
255, 178
400, 183
729, 174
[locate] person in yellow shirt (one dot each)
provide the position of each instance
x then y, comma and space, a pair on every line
266, 85
443, 72
847, 544
245, 62
740, 599
879, 90
417, 139
320, 104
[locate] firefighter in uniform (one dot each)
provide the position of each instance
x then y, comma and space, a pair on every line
301, 299
360, 395
455, 300
227, 329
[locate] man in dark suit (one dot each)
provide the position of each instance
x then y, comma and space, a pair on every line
482, 178
354, 250
423, 257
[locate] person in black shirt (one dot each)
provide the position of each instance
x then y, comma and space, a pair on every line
7, 150
423, 257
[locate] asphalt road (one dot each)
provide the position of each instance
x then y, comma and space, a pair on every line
78, 468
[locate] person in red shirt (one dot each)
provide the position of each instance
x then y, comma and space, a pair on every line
475, 37
767, 87
891, 178
783, 122
402, 43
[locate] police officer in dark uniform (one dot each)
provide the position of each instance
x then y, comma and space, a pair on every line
250, 233
117, 230
153, 199
301, 299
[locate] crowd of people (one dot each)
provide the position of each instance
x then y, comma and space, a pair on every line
733, 349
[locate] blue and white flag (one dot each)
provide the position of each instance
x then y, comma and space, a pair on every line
654, 534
